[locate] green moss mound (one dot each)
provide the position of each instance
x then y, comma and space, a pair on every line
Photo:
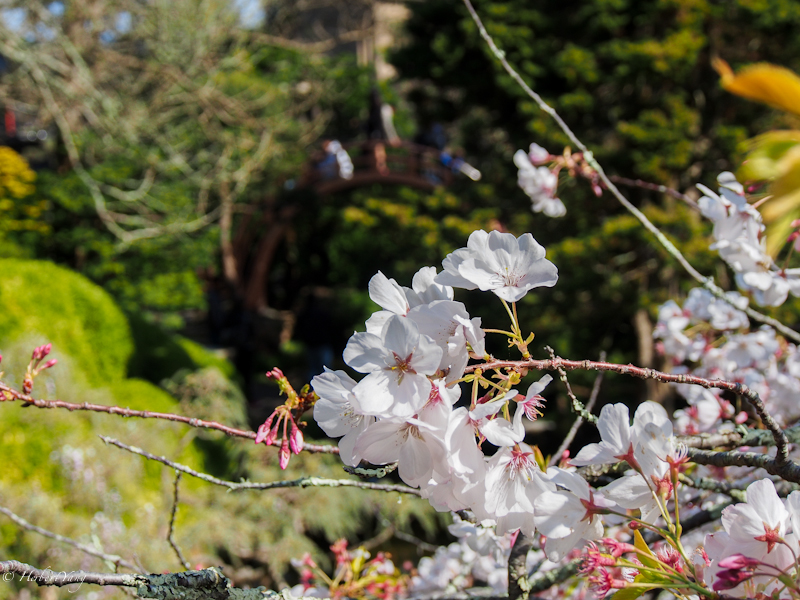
61, 476
46, 303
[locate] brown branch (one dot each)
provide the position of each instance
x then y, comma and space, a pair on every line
184, 563
553, 364
303, 482
146, 414
655, 187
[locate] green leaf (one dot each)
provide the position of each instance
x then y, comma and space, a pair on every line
645, 553
630, 593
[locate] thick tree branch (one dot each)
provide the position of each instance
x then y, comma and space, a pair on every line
207, 584
787, 470
518, 583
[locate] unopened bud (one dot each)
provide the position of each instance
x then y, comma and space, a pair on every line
276, 373
284, 454
738, 561
730, 578
27, 384
263, 429
50, 363
296, 439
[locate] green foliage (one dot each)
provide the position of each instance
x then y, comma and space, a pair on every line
46, 303
158, 354
100, 495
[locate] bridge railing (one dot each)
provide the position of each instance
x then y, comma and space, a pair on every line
377, 161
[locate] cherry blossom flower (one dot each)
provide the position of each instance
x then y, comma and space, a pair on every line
416, 447
338, 412
640, 445
759, 524
513, 482
398, 363
616, 442
569, 514
499, 262
533, 400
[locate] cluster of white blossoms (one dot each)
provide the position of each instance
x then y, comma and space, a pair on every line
739, 239
539, 182
414, 352
478, 555
711, 338
759, 543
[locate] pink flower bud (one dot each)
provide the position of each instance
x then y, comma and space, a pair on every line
276, 373
263, 429
284, 454
729, 579
273, 433
295, 439
738, 561
50, 363
46, 349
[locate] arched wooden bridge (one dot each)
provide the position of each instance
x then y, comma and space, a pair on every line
259, 234
377, 161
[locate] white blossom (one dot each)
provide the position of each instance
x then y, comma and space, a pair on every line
499, 262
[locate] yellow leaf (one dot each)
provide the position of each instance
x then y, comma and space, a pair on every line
784, 207
764, 82
644, 552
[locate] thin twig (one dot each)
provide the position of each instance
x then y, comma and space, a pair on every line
303, 482
573, 431
655, 187
557, 364
707, 282
412, 539
146, 414
184, 563
577, 405
110, 558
